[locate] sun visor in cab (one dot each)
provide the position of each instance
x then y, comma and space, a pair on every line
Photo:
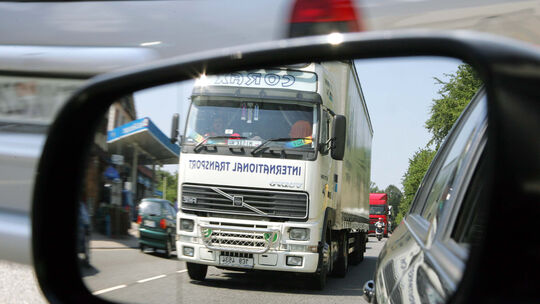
256, 93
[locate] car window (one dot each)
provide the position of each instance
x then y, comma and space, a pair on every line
173, 210
446, 181
150, 208
170, 210
472, 218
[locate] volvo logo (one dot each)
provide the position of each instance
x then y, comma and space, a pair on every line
286, 185
238, 201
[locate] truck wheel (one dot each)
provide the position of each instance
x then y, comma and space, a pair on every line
342, 263
196, 272
359, 246
317, 281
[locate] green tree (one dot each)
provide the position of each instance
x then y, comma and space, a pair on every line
394, 198
171, 188
455, 94
418, 166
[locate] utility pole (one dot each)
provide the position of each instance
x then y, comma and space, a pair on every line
164, 187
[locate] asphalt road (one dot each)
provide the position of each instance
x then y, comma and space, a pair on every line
129, 276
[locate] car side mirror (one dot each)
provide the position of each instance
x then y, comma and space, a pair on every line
505, 67
369, 291
339, 130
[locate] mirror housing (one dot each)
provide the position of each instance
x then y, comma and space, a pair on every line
339, 134
369, 291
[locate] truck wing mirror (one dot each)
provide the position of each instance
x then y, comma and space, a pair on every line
174, 128
339, 130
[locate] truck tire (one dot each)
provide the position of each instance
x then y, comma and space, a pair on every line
196, 272
317, 281
357, 255
342, 263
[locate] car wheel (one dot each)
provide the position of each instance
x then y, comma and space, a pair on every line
342, 263
168, 249
141, 247
196, 272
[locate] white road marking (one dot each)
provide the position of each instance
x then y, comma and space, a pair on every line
139, 281
109, 249
152, 278
108, 289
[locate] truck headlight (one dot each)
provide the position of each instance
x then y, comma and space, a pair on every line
299, 234
188, 251
186, 225
294, 261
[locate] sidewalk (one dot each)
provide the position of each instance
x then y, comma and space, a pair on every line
100, 241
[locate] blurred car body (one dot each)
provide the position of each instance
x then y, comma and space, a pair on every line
35, 83
157, 225
424, 259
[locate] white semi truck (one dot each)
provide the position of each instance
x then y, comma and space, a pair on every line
274, 172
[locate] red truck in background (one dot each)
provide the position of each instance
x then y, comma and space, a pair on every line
378, 208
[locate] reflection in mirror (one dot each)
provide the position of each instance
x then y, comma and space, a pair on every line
246, 195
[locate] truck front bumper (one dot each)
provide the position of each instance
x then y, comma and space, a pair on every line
265, 245
271, 260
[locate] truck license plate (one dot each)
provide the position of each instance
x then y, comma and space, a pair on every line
236, 261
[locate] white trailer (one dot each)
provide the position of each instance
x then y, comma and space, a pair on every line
274, 172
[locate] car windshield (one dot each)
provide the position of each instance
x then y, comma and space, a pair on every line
245, 123
150, 208
373, 209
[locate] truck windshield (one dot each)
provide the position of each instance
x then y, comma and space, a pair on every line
377, 209
248, 124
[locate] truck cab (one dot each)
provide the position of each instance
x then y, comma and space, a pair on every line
268, 178
378, 208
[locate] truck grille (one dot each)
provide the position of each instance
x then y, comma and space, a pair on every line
253, 202
238, 239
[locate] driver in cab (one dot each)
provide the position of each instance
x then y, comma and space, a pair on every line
217, 129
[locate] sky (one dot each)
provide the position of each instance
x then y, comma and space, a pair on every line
398, 93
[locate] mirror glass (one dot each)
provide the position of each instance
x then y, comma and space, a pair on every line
247, 191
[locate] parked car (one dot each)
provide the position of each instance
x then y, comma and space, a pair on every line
157, 225
424, 259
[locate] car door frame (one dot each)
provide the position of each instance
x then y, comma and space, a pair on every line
448, 264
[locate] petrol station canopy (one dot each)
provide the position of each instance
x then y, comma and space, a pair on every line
144, 138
